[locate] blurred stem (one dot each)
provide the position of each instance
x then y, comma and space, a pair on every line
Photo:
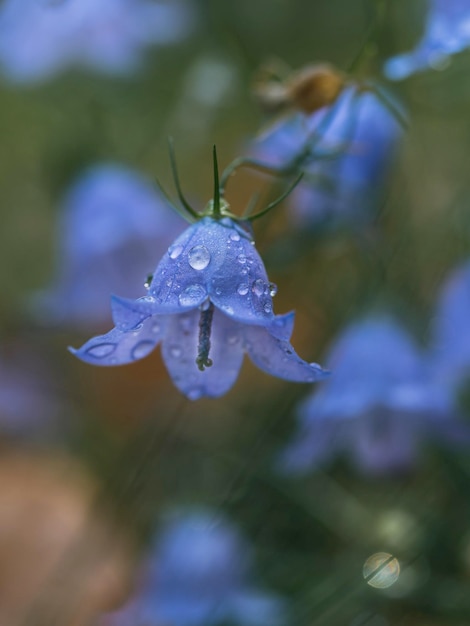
366, 48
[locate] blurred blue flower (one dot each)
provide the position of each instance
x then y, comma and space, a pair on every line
377, 407
112, 225
197, 574
210, 301
354, 143
41, 38
447, 32
450, 334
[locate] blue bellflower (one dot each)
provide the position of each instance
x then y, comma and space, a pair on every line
112, 224
447, 32
354, 142
209, 302
106, 35
450, 334
377, 408
197, 574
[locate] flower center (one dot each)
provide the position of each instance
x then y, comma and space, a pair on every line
204, 343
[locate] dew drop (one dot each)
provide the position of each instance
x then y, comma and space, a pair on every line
268, 307
148, 281
243, 289
195, 393
185, 323
241, 258
234, 236
142, 349
272, 289
101, 350
244, 271
176, 351
258, 287
175, 251
192, 295
199, 257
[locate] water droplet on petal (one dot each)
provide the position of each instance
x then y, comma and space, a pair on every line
192, 295
241, 258
195, 393
101, 350
185, 324
199, 257
234, 236
268, 307
272, 289
244, 271
175, 251
142, 349
243, 289
258, 287
176, 351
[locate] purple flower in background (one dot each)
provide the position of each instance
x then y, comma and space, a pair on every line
197, 574
447, 32
378, 406
112, 225
41, 38
210, 301
450, 338
354, 142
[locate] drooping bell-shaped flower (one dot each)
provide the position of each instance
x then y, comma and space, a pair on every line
196, 574
347, 150
112, 224
209, 302
377, 408
447, 32
42, 38
450, 330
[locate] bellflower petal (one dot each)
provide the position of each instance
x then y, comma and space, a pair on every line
210, 301
197, 574
382, 401
214, 259
278, 357
447, 32
179, 351
112, 224
360, 138
108, 36
450, 333
119, 347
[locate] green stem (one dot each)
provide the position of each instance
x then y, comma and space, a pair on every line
174, 171
216, 202
282, 197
